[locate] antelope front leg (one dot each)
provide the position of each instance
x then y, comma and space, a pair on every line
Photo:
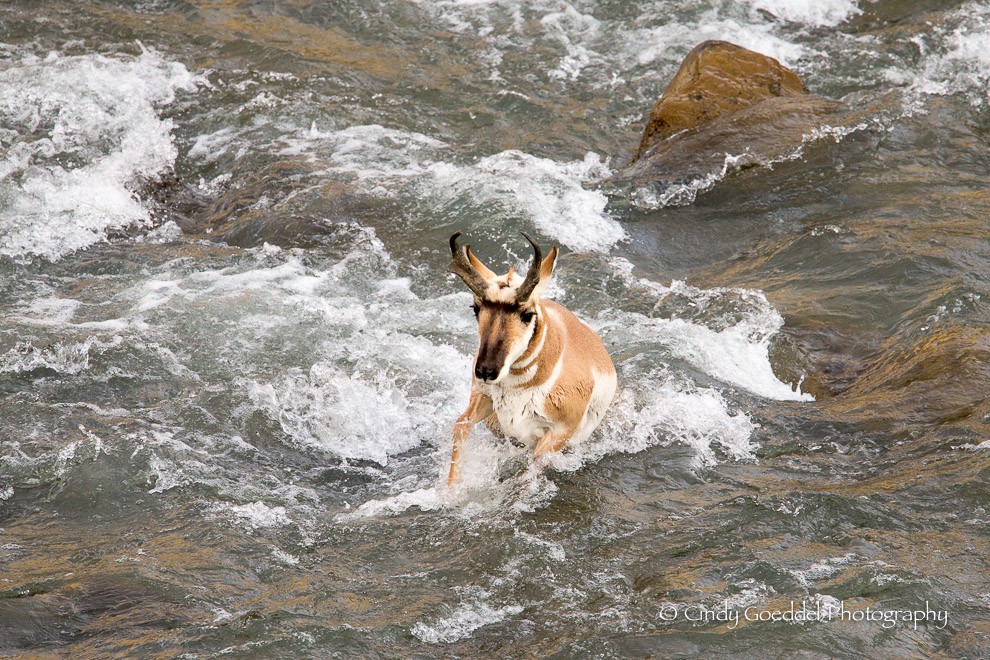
551, 441
479, 407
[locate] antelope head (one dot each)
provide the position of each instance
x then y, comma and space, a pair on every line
507, 307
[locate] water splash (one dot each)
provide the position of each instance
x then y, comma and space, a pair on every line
81, 134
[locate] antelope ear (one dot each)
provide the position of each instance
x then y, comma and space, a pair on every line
482, 269
546, 271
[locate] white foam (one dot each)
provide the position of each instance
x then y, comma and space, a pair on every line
482, 488
50, 463
659, 409
750, 592
352, 417
172, 463
969, 44
51, 310
954, 58
285, 557
258, 515
64, 357
553, 24
577, 41
822, 570
425, 499
210, 147
296, 285
815, 13
732, 355
573, 30
728, 338
966, 65
670, 41
99, 113
369, 152
375, 389
550, 194
652, 409
474, 612
553, 549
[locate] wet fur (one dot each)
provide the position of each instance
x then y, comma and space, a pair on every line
555, 378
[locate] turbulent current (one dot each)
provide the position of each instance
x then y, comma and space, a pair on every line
231, 358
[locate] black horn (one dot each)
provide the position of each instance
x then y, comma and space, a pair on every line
533, 276
462, 267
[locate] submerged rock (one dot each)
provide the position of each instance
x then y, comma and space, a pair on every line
726, 108
273, 205
940, 379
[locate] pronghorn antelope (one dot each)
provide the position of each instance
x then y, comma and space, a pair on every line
540, 375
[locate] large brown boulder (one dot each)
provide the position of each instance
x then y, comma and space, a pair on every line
716, 78
726, 109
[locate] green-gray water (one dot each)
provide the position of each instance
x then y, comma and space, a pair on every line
230, 359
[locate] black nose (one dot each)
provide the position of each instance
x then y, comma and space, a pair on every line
485, 372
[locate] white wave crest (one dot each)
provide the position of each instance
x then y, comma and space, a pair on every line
473, 613
814, 13
81, 132
511, 184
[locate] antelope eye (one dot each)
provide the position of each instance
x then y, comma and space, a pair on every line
527, 317
476, 308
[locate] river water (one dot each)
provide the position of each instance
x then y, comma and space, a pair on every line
230, 358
